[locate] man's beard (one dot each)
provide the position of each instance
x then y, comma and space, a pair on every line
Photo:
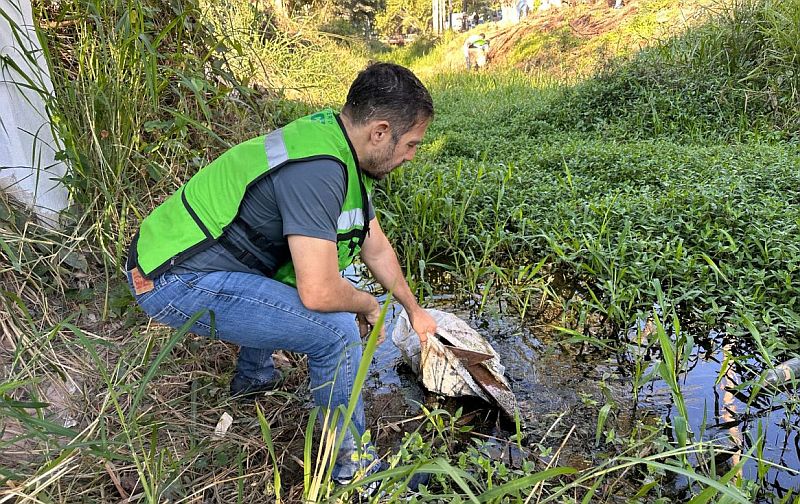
379, 165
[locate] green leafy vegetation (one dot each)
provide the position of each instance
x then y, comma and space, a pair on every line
733, 79
664, 187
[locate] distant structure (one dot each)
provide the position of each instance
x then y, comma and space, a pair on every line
29, 171
548, 4
439, 15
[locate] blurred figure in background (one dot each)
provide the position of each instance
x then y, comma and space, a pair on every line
522, 9
476, 50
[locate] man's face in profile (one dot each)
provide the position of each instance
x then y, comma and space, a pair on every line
385, 158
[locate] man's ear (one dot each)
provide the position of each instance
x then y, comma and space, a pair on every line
379, 130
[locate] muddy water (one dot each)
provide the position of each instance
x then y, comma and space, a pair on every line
555, 391
559, 394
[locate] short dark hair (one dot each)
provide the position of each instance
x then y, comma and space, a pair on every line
388, 92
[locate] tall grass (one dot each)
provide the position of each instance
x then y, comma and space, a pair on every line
734, 78
149, 91
145, 95
290, 56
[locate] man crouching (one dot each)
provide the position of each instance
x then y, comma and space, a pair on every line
257, 241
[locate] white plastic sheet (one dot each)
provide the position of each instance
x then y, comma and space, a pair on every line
442, 372
28, 169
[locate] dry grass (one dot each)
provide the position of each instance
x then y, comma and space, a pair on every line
70, 376
86, 442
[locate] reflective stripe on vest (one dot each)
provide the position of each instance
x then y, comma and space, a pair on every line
350, 219
276, 149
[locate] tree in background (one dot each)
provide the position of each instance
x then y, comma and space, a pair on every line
359, 15
401, 16
345, 17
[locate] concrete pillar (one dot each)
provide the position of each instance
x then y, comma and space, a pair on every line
28, 169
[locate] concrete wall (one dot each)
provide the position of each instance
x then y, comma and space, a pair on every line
28, 169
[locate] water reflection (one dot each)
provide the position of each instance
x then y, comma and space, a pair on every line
721, 404
722, 408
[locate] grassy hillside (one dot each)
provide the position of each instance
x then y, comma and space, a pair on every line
563, 44
696, 71
733, 78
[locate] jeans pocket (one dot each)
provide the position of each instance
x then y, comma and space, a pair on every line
188, 279
140, 298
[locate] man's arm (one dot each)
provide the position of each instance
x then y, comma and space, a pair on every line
379, 256
309, 198
319, 283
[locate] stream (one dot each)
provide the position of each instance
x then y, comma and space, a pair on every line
559, 394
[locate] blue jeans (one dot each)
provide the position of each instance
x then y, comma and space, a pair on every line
262, 315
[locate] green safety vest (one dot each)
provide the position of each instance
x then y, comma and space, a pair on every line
478, 43
200, 211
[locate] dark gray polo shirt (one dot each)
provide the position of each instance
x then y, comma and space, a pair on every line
302, 198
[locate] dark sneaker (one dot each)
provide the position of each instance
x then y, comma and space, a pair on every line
417, 480
371, 490
244, 389
366, 491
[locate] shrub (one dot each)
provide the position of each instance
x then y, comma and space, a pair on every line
734, 78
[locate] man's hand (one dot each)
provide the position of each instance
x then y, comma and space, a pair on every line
378, 254
424, 325
366, 321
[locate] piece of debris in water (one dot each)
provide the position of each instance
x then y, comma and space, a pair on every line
783, 373
456, 362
